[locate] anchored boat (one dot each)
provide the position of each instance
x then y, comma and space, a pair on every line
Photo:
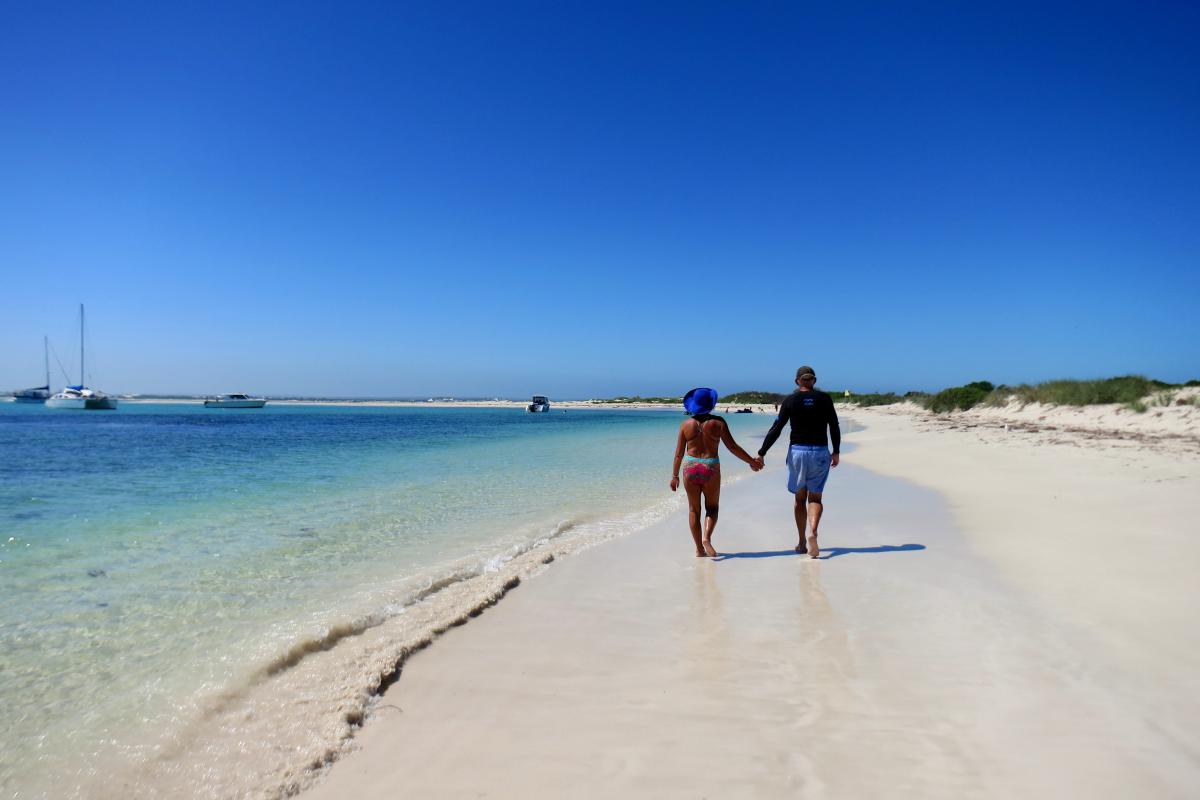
81, 397
235, 401
38, 394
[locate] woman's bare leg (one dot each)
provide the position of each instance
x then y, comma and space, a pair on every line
712, 501
693, 495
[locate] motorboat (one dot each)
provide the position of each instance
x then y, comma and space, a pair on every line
81, 397
235, 401
539, 403
38, 394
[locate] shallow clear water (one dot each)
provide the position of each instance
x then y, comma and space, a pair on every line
160, 551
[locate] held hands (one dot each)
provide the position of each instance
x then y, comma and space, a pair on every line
756, 463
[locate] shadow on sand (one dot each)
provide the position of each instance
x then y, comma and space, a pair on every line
826, 552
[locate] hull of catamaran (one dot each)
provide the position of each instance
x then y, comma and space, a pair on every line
31, 396
93, 403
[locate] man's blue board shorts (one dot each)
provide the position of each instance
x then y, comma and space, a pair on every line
808, 467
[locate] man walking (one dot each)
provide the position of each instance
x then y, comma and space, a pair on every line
811, 412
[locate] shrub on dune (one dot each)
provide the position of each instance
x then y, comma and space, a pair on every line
1126, 389
959, 398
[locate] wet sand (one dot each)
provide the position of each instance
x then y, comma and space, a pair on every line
935, 650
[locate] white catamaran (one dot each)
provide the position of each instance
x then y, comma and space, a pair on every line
38, 394
80, 397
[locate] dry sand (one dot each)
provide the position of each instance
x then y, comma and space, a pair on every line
998, 613
1098, 523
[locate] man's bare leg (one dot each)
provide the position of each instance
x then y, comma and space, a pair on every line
693, 496
815, 507
801, 510
712, 501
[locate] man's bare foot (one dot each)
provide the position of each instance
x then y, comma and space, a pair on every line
813, 550
800, 548
709, 550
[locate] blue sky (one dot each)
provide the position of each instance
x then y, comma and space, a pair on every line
594, 199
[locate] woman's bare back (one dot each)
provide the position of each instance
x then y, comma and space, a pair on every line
703, 434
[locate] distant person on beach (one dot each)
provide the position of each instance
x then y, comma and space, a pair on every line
696, 450
811, 413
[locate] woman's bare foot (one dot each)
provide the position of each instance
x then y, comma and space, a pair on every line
709, 550
813, 550
800, 548
701, 554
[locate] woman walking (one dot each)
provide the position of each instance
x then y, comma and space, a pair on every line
697, 452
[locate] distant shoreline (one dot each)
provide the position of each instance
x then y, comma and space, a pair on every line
515, 404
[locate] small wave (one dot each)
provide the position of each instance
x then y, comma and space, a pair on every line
336, 633
274, 734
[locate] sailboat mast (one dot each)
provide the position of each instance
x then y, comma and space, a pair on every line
46, 355
81, 372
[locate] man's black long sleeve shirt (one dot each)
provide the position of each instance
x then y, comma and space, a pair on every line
810, 413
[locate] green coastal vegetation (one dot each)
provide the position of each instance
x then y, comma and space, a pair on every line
958, 398
752, 398
1135, 392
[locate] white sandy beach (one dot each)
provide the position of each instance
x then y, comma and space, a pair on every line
998, 613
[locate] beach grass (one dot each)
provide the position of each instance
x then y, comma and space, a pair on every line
1135, 392
1125, 389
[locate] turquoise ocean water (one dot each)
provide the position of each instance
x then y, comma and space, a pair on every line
154, 554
